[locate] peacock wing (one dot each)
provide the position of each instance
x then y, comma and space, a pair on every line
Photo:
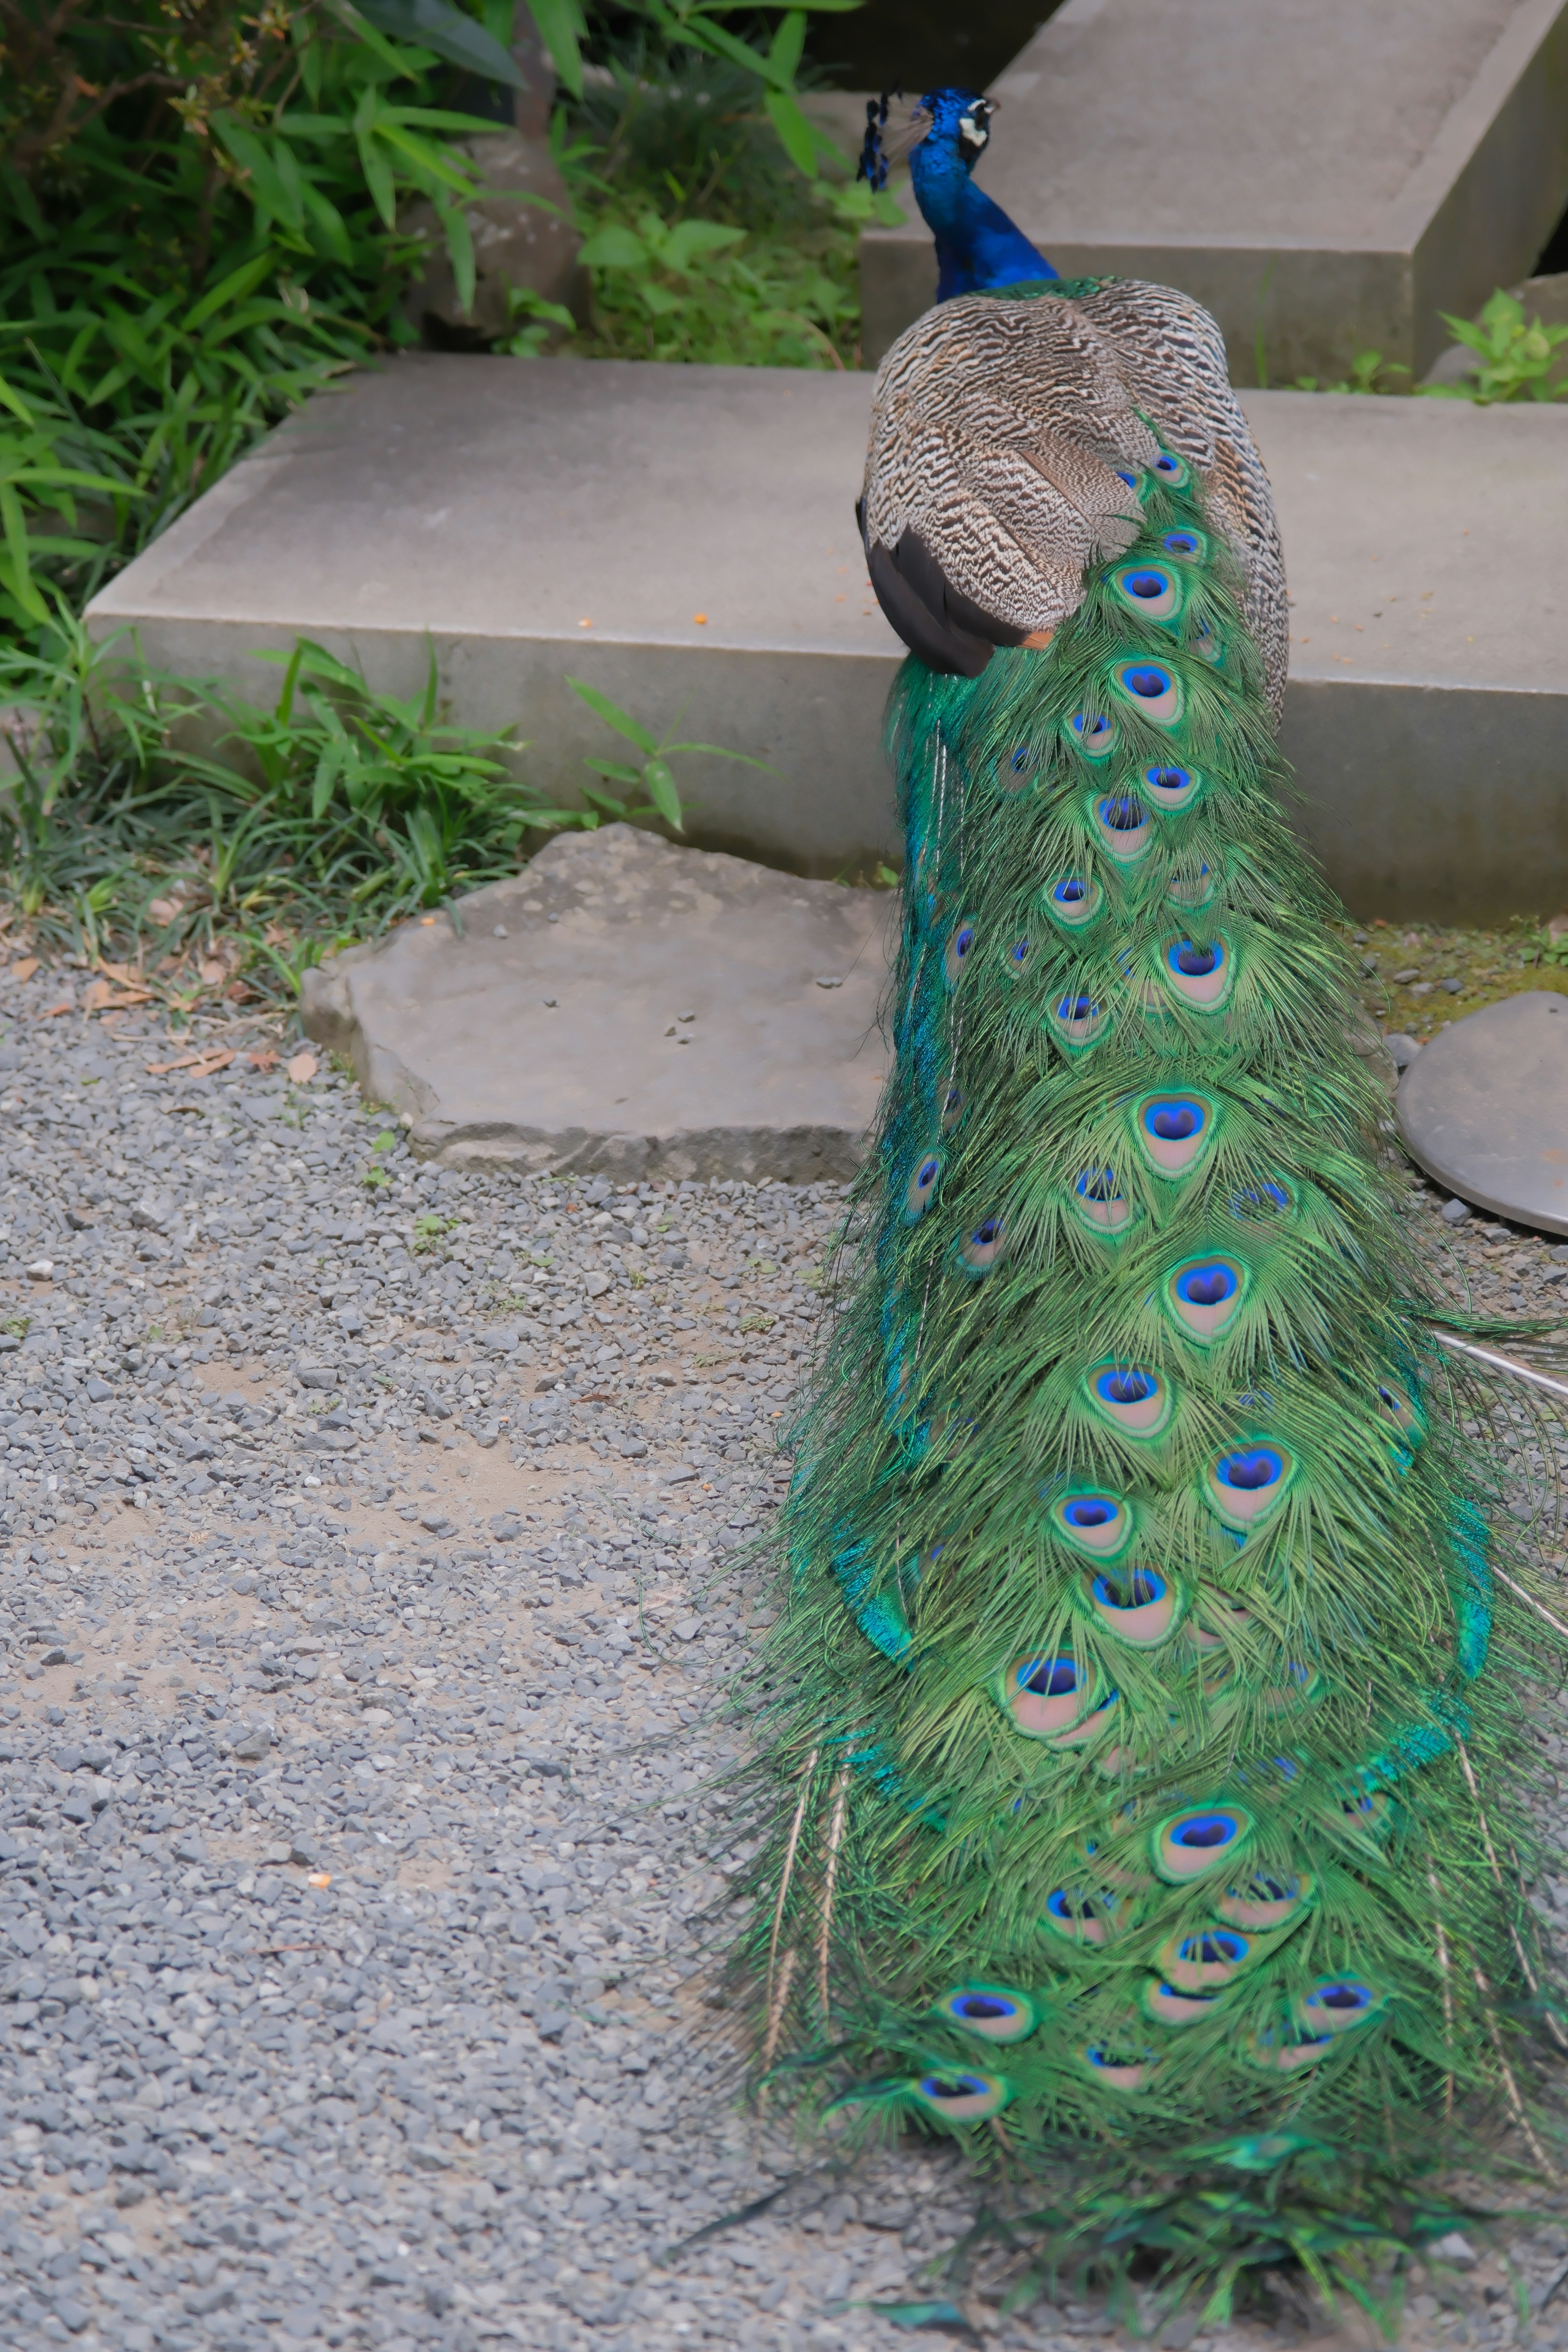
1007, 440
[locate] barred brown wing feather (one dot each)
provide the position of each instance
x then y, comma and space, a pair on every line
1002, 435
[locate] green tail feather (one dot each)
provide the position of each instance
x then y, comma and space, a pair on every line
1154, 1760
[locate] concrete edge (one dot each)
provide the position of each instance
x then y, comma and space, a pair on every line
799, 1155
1486, 189
1492, 842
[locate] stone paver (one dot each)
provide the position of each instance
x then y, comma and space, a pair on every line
629, 1006
373, 1573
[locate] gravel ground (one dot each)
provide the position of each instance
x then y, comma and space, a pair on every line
366, 1606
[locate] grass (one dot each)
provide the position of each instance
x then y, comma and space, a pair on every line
196, 878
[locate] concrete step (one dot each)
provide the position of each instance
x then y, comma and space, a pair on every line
533, 520
1327, 178
629, 1007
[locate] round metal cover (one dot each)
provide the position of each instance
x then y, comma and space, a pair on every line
1484, 1109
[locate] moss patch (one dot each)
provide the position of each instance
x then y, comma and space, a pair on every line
1417, 978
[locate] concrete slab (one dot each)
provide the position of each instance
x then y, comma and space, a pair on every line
490, 508
1326, 177
1484, 1109
629, 1006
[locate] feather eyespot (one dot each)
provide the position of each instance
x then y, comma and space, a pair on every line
1153, 690
1073, 899
1192, 891
1188, 1845
951, 1109
1015, 960
1170, 788
1174, 1131
1265, 1902
1137, 1604
1207, 647
1213, 1956
1017, 767
1263, 1202
1168, 2004
1337, 2005
1199, 971
960, 948
1132, 1398
1094, 736
1186, 546
1148, 590
1077, 1022
996, 2012
1099, 1201
1395, 1406
1080, 1917
1124, 827
1101, 1525
962, 2098
1118, 2069
921, 1190
1245, 1486
1171, 471
980, 1249
1055, 1697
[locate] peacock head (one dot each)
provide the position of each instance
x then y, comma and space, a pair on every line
947, 126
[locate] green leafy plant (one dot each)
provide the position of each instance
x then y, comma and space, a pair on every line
652, 785
198, 211
147, 816
700, 25
431, 1228
1517, 357
682, 290
1367, 369
371, 796
669, 139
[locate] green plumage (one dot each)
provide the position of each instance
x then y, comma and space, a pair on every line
1149, 1731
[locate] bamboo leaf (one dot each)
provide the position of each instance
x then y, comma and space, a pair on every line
796, 134
614, 716
561, 28
660, 785
433, 25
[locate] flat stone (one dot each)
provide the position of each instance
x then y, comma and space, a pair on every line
487, 506
561, 1045
1327, 178
1485, 1110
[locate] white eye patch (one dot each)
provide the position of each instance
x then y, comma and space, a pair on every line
976, 132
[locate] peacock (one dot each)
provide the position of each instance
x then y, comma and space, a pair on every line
1148, 1799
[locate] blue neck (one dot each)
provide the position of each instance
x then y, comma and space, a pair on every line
977, 247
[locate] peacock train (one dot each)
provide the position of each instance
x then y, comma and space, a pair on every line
1147, 1791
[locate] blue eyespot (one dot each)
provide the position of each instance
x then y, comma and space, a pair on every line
1125, 1385
1175, 1122
1048, 1677
1098, 1184
1204, 1832
1208, 1285
1194, 963
1252, 1472
1148, 683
